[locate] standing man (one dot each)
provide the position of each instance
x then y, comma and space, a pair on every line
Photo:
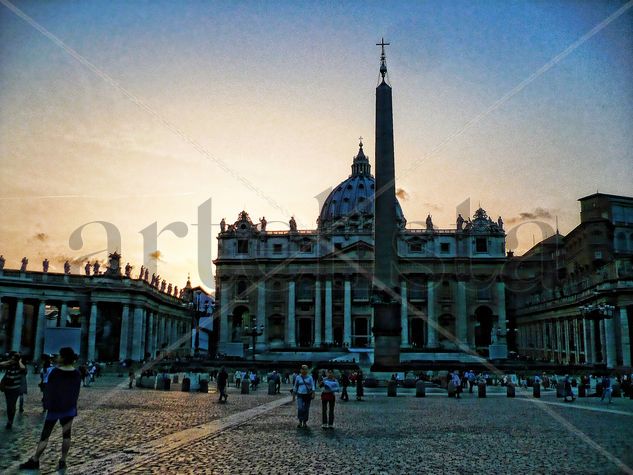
344, 385
238, 378
606, 388
223, 378
11, 384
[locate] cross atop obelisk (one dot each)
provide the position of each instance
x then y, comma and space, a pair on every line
383, 58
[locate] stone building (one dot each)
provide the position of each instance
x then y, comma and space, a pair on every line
572, 296
110, 316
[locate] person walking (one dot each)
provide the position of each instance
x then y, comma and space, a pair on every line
223, 378
64, 384
11, 383
344, 385
131, 377
360, 390
304, 391
237, 377
457, 383
328, 399
470, 376
24, 389
567, 390
607, 389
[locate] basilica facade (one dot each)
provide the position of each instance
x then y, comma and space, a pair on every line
310, 290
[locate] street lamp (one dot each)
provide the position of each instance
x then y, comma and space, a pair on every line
197, 313
254, 333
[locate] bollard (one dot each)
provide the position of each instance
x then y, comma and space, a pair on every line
582, 391
245, 386
392, 388
481, 390
167, 384
510, 391
204, 386
451, 389
271, 387
536, 390
420, 389
186, 385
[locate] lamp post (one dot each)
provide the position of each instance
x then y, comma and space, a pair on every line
254, 333
197, 313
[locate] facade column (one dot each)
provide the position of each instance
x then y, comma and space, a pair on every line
576, 340
404, 315
567, 326
603, 340
501, 310
224, 311
625, 337
317, 313
328, 312
125, 332
40, 330
431, 315
18, 323
92, 332
585, 338
261, 314
592, 341
137, 339
160, 331
559, 340
609, 327
544, 338
461, 323
63, 314
347, 314
291, 334
150, 333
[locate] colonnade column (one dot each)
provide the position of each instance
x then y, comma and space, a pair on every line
347, 314
576, 340
261, 314
63, 314
625, 337
328, 312
404, 315
461, 324
592, 341
290, 327
431, 315
224, 311
609, 327
150, 333
137, 347
92, 331
40, 329
18, 323
317, 313
566, 342
603, 340
125, 332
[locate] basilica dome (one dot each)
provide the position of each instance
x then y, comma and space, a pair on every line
351, 204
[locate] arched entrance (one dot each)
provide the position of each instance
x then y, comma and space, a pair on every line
239, 319
304, 337
446, 338
483, 327
416, 336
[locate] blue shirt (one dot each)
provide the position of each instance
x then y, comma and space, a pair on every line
303, 385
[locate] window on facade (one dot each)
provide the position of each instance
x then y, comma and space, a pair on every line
481, 245
241, 289
242, 246
415, 247
305, 246
483, 293
277, 248
445, 247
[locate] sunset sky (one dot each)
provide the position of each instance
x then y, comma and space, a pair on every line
138, 112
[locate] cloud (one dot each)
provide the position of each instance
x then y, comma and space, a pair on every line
538, 213
402, 194
156, 255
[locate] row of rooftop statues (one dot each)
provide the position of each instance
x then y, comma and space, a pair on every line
95, 269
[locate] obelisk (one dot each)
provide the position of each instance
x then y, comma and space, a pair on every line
385, 300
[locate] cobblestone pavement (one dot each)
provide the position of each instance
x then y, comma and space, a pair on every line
113, 418
379, 435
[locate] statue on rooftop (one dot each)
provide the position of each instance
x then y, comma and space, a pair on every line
25, 262
293, 224
262, 223
500, 223
169, 289
128, 270
66, 267
223, 225
141, 274
460, 222
87, 268
45, 264
163, 285
146, 276
95, 268
429, 223
2, 261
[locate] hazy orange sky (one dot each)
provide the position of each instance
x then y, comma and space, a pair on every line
160, 106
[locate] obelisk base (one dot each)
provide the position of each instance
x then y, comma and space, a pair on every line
387, 337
